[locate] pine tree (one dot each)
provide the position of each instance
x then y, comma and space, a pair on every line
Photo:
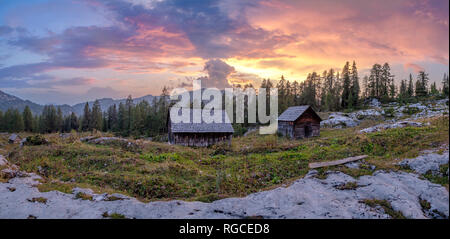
392, 90
59, 120
74, 123
2, 122
27, 119
433, 89
112, 118
410, 91
49, 119
281, 85
121, 118
403, 90
375, 81
445, 85
385, 81
129, 105
13, 121
355, 89
96, 117
85, 123
422, 84
346, 85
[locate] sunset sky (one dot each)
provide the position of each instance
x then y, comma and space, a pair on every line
70, 51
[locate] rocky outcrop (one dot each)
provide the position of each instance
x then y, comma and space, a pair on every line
395, 125
392, 113
372, 114
339, 120
309, 197
430, 162
3, 161
14, 138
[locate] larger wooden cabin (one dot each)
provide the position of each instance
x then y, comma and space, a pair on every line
199, 134
299, 122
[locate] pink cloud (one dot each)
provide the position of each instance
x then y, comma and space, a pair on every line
413, 66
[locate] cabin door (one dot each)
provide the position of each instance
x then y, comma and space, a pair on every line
308, 131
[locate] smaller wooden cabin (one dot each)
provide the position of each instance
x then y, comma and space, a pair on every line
199, 134
299, 122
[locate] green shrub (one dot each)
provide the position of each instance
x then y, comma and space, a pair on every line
36, 140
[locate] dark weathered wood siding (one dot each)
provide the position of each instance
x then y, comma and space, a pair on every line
199, 139
199, 134
307, 125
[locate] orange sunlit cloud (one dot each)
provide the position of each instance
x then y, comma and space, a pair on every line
147, 46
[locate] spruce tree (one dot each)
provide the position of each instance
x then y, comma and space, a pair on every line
346, 85
433, 89
27, 119
422, 84
96, 117
445, 85
375, 80
410, 91
74, 124
85, 124
403, 90
2, 122
355, 85
59, 120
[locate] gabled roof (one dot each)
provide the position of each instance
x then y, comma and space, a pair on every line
202, 127
294, 112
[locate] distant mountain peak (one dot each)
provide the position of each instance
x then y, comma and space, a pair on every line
8, 101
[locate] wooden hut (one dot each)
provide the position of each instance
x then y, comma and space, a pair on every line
199, 134
299, 122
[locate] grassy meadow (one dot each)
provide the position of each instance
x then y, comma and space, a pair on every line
153, 171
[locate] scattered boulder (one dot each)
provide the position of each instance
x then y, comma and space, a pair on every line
122, 142
400, 124
12, 173
65, 135
374, 102
87, 139
22, 142
427, 163
367, 114
3, 161
14, 138
353, 165
337, 120
100, 197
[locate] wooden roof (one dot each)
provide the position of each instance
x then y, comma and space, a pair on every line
294, 112
202, 127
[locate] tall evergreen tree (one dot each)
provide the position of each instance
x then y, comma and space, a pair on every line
433, 89
346, 87
403, 90
2, 122
445, 85
74, 123
386, 81
410, 91
112, 118
96, 117
27, 119
355, 89
422, 84
59, 120
85, 123
375, 81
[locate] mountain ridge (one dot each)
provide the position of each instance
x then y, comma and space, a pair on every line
8, 101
